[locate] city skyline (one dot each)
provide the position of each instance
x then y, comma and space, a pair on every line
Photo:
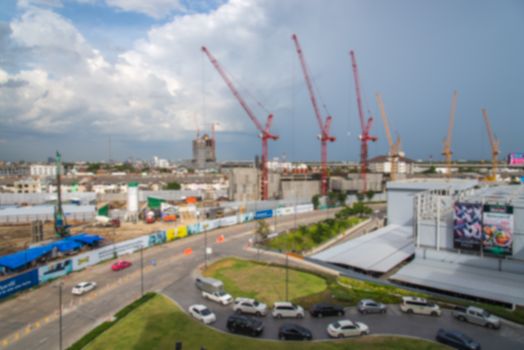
75, 73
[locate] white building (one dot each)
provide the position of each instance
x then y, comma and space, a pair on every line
44, 170
382, 164
160, 162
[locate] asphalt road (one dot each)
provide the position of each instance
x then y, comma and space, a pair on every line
174, 275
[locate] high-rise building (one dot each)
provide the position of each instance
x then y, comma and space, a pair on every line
203, 152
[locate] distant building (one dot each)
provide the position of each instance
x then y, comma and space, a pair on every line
160, 163
28, 185
204, 152
44, 170
382, 164
244, 184
353, 183
14, 170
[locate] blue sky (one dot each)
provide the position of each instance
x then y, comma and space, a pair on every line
76, 72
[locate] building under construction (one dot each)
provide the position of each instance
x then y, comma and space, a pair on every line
204, 155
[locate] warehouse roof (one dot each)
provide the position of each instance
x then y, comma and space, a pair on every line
432, 184
379, 251
464, 279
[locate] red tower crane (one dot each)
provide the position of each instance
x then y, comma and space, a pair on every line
365, 127
324, 127
265, 135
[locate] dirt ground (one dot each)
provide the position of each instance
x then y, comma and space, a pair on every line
17, 237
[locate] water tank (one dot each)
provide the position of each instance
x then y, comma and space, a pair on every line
132, 197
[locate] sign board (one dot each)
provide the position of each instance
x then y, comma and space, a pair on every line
263, 214
285, 211
54, 270
467, 226
18, 283
516, 159
497, 229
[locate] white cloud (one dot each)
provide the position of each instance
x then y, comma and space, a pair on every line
153, 8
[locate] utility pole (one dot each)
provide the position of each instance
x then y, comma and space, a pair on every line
60, 284
142, 270
287, 275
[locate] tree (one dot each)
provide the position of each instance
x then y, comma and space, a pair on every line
369, 195
360, 197
431, 170
173, 186
262, 231
342, 196
315, 201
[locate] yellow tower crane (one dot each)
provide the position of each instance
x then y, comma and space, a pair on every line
495, 150
394, 148
447, 142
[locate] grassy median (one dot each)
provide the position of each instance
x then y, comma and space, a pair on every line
159, 324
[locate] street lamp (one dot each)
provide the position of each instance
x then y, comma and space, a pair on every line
142, 270
59, 286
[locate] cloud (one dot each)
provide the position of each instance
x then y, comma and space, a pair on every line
154, 8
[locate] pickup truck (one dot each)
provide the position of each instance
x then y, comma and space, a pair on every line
476, 315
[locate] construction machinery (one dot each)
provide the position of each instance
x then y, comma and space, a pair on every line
264, 135
365, 127
324, 126
394, 148
495, 147
61, 227
447, 142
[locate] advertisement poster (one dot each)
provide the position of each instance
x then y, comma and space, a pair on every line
156, 238
170, 234
263, 214
228, 221
246, 217
285, 211
498, 229
55, 270
18, 283
194, 229
181, 231
467, 226
84, 260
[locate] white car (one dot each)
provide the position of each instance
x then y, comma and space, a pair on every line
287, 309
83, 287
250, 306
347, 328
202, 313
413, 305
219, 297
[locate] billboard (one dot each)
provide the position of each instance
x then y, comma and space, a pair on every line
84, 260
467, 226
263, 214
54, 270
158, 237
497, 229
516, 159
18, 283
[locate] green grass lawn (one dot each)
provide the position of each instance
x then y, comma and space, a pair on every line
159, 324
264, 282
308, 237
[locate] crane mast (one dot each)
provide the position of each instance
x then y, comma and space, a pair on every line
323, 126
365, 126
394, 148
495, 146
447, 143
264, 135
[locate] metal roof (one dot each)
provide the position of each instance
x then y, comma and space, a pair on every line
464, 279
379, 251
432, 184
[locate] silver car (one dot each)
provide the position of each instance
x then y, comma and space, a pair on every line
369, 306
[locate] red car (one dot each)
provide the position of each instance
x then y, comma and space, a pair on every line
120, 265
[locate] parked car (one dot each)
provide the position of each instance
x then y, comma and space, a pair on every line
244, 325
347, 328
291, 331
120, 265
415, 305
457, 340
369, 306
321, 310
209, 284
202, 313
476, 315
287, 309
250, 306
219, 297
83, 287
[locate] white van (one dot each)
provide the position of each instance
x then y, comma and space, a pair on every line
413, 305
210, 285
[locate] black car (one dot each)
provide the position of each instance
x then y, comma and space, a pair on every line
292, 331
456, 340
321, 310
245, 325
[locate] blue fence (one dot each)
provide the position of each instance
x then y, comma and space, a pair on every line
18, 283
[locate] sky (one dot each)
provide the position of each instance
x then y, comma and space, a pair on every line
75, 74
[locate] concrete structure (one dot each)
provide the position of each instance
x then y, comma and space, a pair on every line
382, 164
244, 184
353, 183
28, 185
203, 152
300, 189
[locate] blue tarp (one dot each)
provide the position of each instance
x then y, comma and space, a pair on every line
19, 259
24, 257
86, 238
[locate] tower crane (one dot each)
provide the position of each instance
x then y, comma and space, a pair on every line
324, 136
447, 142
495, 150
365, 127
394, 148
264, 135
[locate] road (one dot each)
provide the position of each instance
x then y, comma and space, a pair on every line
30, 321
174, 275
